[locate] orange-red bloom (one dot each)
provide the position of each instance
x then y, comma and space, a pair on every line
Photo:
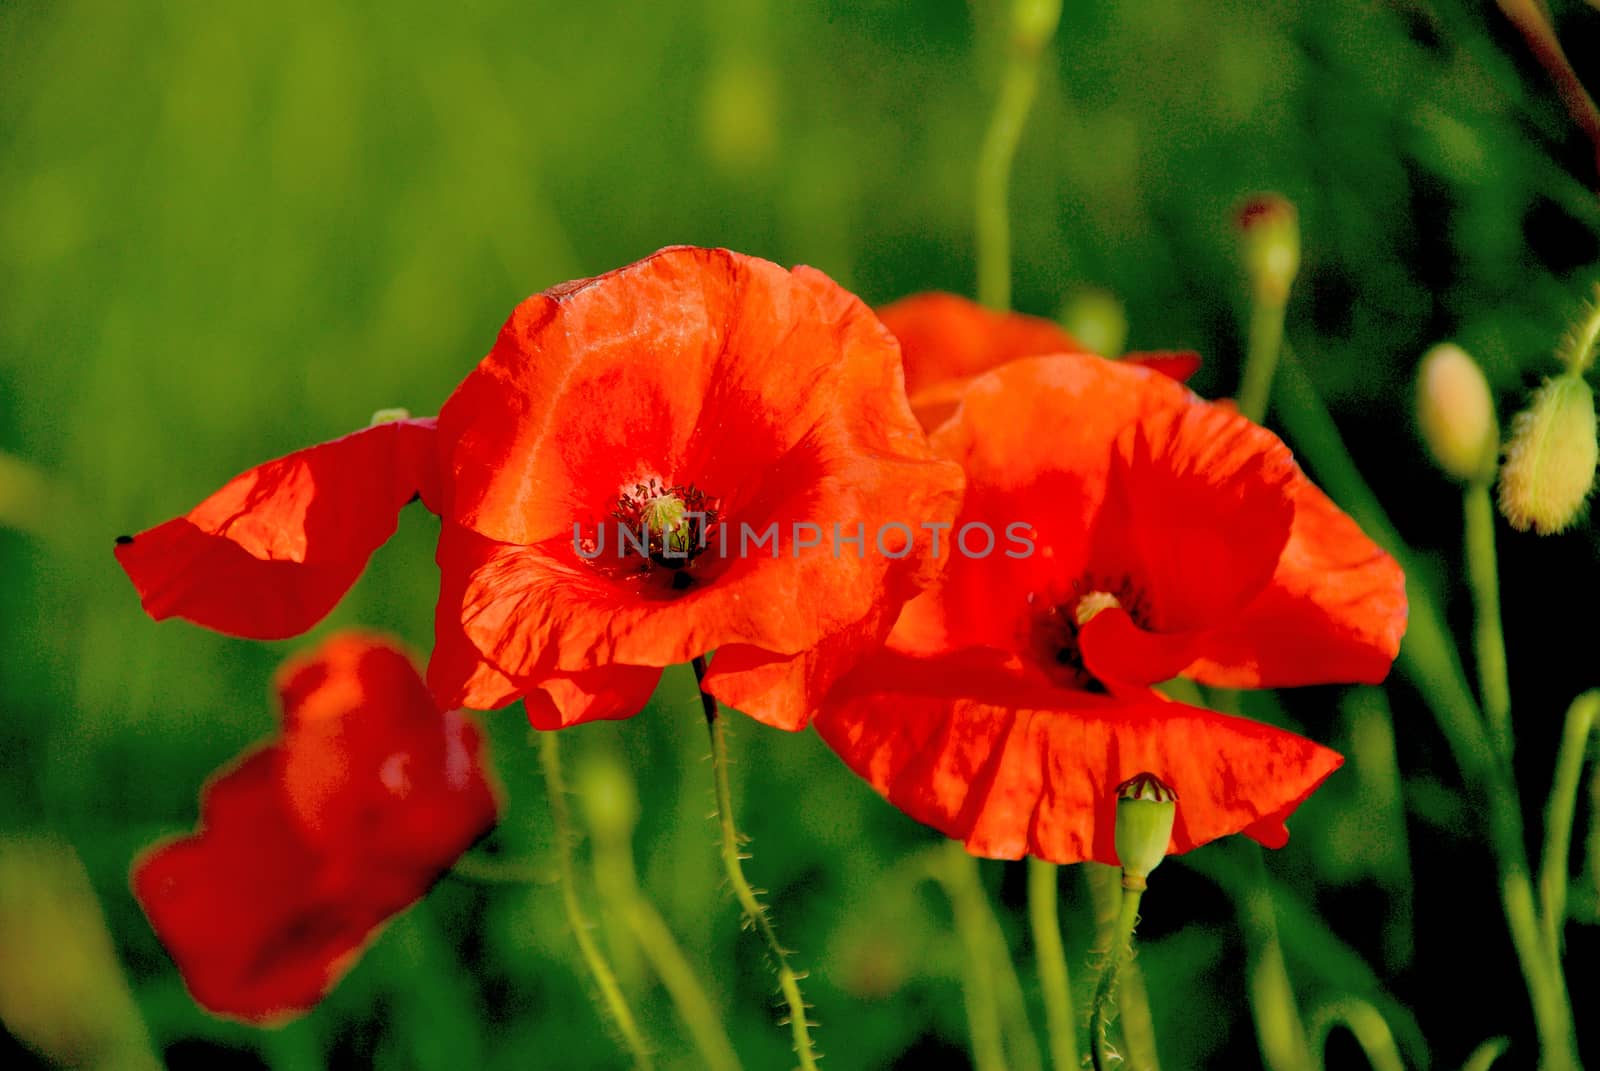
307, 845
1169, 536
761, 400
947, 340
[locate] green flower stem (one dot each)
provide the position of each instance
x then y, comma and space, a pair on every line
1261, 358
1559, 815
996, 1006
605, 980
755, 912
1366, 1024
1133, 1000
1044, 879
1428, 652
1488, 637
1031, 25
1105, 991
485, 869
618, 883
968, 908
1278, 1027
1433, 665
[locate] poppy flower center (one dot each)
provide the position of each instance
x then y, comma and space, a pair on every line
1055, 630
665, 526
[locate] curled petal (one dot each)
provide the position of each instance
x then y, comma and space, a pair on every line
1334, 611
1012, 767
270, 554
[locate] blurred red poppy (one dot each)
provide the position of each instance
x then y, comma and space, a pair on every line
309, 844
946, 340
750, 423
1164, 535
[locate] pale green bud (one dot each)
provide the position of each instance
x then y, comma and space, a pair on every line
1455, 413
1096, 319
1269, 229
1550, 459
1146, 808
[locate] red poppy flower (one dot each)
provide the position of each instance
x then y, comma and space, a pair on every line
1156, 535
946, 340
753, 419
704, 400
309, 844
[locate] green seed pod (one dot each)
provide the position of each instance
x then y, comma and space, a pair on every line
1455, 413
1550, 460
1269, 229
1146, 808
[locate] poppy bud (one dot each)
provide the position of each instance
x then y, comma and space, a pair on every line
1146, 808
1577, 350
1455, 413
1033, 22
610, 804
1095, 318
1550, 460
1269, 230
389, 416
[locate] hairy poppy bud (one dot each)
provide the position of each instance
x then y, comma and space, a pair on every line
1455, 413
1269, 230
1146, 808
1550, 460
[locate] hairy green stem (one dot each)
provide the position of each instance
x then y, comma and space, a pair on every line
1488, 637
733, 856
1103, 1008
1105, 893
604, 978
1559, 815
1030, 27
1265, 343
1044, 914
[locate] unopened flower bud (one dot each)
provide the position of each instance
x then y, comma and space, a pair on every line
1096, 319
1033, 22
1455, 413
1269, 230
1550, 459
1146, 808
1577, 350
610, 804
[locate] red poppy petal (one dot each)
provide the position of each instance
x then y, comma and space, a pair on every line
1174, 364
606, 694
1015, 768
1118, 652
1196, 515
946, 337
270, 554
458, 673
1334, 612
306, 847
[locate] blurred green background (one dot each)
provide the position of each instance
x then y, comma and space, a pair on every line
227, 231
